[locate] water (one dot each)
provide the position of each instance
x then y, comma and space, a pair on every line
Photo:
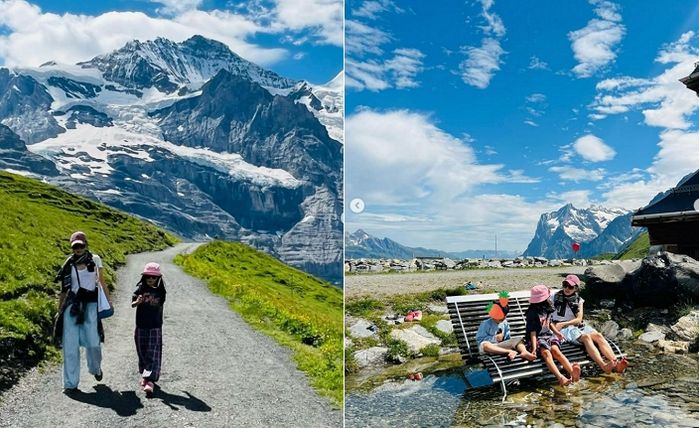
657, 391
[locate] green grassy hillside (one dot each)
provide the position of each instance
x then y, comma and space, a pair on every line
36, 221
638, 249
296, 309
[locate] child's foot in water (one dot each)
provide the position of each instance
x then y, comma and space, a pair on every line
621, 365
576, 372
609, 367
563, 381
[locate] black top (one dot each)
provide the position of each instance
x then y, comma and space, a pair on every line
149, 314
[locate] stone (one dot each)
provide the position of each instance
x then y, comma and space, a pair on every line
673, 347
362, 328
625, 334
348, 342
416, 337
612, 274
687, 273
371, 356
450, 350
610, 329
651, 336
659, 328
438, 309
445, 326
687, 327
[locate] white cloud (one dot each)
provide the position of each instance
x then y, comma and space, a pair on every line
531, 123
593, 149
35, 37
537, 64
481, 63
536, 98
176, 7
571, 173
579, 198
365, 66
594, 46
664, 101
372, 9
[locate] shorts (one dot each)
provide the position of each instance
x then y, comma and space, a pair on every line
572, 333
510, 343
546, 341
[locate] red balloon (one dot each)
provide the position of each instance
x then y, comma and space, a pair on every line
576, 247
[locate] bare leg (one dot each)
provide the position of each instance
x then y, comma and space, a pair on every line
588, 341
572, 369
492, 348
524, 353
548, 359
603, 346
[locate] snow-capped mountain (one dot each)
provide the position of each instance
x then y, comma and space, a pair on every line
597, 230
193, 137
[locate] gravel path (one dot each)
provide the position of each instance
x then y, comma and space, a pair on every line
217, 371
490, 280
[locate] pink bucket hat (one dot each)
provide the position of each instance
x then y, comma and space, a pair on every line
78, 238
572, 280
152, 269
539, 294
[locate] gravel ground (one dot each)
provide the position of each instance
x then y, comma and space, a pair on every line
217, 371
489, 280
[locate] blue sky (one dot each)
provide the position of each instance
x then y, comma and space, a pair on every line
467, 119
300, 39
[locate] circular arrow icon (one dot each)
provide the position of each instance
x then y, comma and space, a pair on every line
357, 205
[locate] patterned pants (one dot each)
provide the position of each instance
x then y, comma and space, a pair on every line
149, 346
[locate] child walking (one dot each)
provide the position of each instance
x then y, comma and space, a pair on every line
543, 337
493, 336
148, 299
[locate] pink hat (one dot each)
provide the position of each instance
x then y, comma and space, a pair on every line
572, 280
78, 238
539, 294
152, 269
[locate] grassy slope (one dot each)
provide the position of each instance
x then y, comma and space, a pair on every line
296, 309
36, 221
638, 249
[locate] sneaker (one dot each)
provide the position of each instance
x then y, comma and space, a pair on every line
98, 376
71, 391
148, 389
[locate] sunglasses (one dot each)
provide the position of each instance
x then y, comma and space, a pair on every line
570, 287
78, 247
147, 277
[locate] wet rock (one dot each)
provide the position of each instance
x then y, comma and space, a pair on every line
651, 336
625, 334
445, 326
687, 327
416, 337
371, 356
362, 328
610, 329
673, 347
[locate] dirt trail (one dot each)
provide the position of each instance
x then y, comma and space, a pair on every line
217, 371
490, 280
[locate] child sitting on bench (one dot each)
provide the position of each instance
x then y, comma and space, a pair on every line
493, 335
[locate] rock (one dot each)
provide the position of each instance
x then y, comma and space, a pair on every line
445, 326
611, 274
659, 328
651, 336
451, 350
362, 328
625, 334
416, 337
607, 303
687, 327
673, 347
687, 273
438, 309
371, 356
348, 342
610, 329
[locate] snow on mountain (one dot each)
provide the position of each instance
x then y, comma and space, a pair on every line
557, 230
193, 137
